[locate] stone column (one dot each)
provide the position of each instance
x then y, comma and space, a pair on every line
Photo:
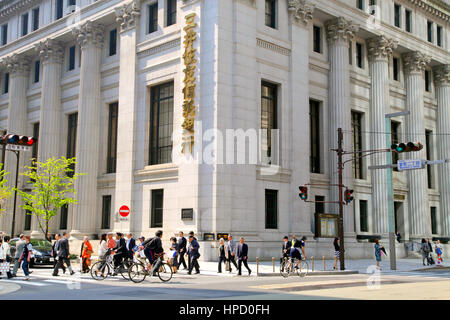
414, 66
90, 37
301, 14
18, 67
380, 50
339, 32
442, 81
128, 18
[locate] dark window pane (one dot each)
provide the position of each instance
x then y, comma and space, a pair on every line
157, 209
35, 19
72, 58
271, 209
357, 144
314, 136
27, 225
153, 18
63, 218
429, 152
317, 35
439, 36
112, 138
395, 138
113, 42
434, 229
59, 9
359, 55
171, 12
430, 31
4, 34
37, 65
395, 67
397, 9
408, 20
363, 217
427, 81
360, 4
269, 115
106, 212
34, 152
271, 13
24, 24
6, 83
72, 138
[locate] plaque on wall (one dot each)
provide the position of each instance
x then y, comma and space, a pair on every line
187, 214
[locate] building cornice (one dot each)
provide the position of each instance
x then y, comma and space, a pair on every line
437, 8
8, 8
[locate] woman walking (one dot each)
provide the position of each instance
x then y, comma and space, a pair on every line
25, 258
439, 251
425, 249
337, 251
173, 255
378, 247
224, 255
86, 255
102, 253
5, 257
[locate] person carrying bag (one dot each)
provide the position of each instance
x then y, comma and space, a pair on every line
5, 257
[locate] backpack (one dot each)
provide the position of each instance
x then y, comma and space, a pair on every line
152, 244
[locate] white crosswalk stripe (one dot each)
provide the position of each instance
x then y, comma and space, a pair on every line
25, 282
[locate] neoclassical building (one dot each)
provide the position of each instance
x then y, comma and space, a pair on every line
131, 88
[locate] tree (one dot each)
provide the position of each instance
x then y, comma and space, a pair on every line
5, 191
53, 187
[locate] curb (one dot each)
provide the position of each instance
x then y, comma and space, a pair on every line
315, 273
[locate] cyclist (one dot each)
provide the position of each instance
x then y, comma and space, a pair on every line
297, 248
154, 247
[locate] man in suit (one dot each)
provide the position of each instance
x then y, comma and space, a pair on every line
19, 249
55, 248
130, 244
181, 249
285, 249
63, 255
120, 249
242, 255
193, 255
232, 246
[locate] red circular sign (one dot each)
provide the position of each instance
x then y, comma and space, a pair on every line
124, 211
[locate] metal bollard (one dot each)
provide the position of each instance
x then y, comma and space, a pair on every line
257, 266
273, 264
312, 263
323, 263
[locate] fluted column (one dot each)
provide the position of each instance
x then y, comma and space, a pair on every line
339, 32
18, 67
380, 50
128, 18
90, 37
419, 217
442, 81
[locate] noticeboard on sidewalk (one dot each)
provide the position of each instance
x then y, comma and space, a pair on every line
326, 225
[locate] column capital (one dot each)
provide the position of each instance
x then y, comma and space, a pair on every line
442, 75
89, 33
381, 48
128, 15
50, 51
300, 11
415, 62
17, 64
340, 29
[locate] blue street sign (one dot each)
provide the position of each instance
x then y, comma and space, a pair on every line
409, 164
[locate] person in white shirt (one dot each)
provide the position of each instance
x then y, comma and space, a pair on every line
5, 257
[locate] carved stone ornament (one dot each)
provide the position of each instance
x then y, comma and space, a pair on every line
50, 51
341, 29
17, 64
128, 15
415, 62
381, 47
301, 10
89, 33
442, 75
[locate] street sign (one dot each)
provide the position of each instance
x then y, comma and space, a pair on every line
15, 147
410, 164
124, 211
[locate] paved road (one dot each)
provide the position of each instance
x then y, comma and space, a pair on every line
210, 285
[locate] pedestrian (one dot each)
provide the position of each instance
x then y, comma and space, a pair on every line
25, 258
191, 234
425, 250
285, 250
63, 255
103, 253
430, 252
193, 255
398, 236
242, 255
439, 252
378, 249
54, 253
232, 245
19, 249
224, 256
182, 250
130, 244
86, 255
49, 237
120, 250
110, 241
5, 257
337, 252
173, 254
141, 253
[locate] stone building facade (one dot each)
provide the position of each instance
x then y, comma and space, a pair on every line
123, 86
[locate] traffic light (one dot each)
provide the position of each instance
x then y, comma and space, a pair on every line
303, 193
406, 147
17, 140
348, 196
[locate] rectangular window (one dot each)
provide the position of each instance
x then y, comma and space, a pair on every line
357, 144
395, 138
271, 209
71, 6
27, 225
72, 138
429, 152
112, 42
372, 4
360, 4
106, 212
314, 116
396, 69
157, 209
350, 53
161, 124
59, 9
112, 138
430, 31
171, 12
427, 81
434, 229
408, 25
397, 13
63, 219
271, 13
363, 216
319, 206
72, 58
6, 83
24, 24
35, 19
35, 150
4, 34
268, 118
359, 55
317, 37
37, 67
439, 35
153, 17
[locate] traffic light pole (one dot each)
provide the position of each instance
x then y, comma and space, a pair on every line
15, 192
340, 152
390, 190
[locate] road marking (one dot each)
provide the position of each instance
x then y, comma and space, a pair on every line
306, 283
29, 282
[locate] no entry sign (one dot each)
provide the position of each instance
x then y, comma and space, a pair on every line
124, 211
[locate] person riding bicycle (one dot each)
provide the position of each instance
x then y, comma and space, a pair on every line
297, 248
152, 247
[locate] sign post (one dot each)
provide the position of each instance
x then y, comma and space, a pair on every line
124, 212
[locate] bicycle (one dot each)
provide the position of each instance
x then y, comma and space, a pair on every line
294, 265
139, 271
102, 269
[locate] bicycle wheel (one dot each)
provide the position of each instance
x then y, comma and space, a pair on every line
137, 272
284, 269
124, 268
302, 269
100, 270
165, 272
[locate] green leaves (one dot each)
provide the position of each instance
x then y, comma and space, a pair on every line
5, 191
